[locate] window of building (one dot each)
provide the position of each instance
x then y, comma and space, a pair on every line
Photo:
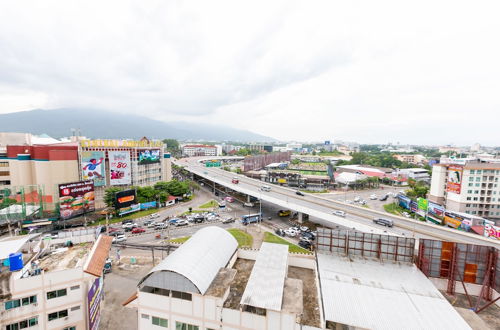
476, 191
471, 178
20, 302
467, 205
159, 321
478, 179
145, 316
23, 324
185, 326
58, 315
471, 184
478, 172
469, 191
70, 328
75, 308
56, 293
473, 212
468, 198
76, 287
472, 171
475, 198
181, 295
478, 184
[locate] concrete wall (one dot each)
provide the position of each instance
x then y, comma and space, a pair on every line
438, 182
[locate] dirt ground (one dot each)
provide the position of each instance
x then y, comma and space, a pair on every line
310, 295
119, 285
490, 316
257, 234
244, 268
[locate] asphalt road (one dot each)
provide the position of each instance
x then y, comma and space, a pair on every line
319, 207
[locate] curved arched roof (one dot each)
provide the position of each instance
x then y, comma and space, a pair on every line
198, 260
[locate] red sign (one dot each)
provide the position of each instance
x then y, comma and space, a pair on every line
76, 198
454, 182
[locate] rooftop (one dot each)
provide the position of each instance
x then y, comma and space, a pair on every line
367, 294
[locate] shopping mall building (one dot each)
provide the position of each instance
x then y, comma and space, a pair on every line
121, 163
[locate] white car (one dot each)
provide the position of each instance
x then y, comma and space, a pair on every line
290, 232
154, 215
373, 197
304, 228
339, 213
129, 225
151, 224
357, 199
119, 238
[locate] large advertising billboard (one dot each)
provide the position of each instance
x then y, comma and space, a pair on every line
454, 181
94, 304
93, 167
148, 156
423, 204
125, 198
119, 168
404, 201
435, 209
76, 198
129, 209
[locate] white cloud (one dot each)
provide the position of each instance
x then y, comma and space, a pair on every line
381, 71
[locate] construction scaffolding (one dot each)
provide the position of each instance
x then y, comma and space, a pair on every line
258, 162
464, 263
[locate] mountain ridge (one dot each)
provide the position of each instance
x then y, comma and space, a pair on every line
110, 125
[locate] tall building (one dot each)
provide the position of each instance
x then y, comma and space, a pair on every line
469, 186
192, 150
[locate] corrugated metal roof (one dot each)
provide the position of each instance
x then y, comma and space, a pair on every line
369, 294
267, 280
200, 257
12, 245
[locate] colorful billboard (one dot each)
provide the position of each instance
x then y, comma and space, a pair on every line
125, 198
413, 206
76, 198
94, 297
404, 201
148, 205
119, 168
129, 209
422, 204
454, 181
93, 167
435, 209
149, 156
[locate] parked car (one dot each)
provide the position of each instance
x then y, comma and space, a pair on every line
161, 225
384, 222
138, 230
304, 229
373, 197
247, 204
154, 215
300, 193
309, 236
357, 199
116, 233
305, 244
172, 221
280, 232
406, 214
235, 180
151, 224
229, 199
129, 225
291, 232
199, 219
119, 238
384, 198
127, 221
181, 222
112, 230
228, 220
339, 213
284, 213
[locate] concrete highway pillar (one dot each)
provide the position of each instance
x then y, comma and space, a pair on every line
248, 199
301, 217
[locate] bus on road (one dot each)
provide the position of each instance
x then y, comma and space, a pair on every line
250, 218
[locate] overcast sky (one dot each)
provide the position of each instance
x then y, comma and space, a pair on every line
423, 72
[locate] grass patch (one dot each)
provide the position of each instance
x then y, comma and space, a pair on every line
365, 206
394, 209
244, 239
135, 215
271, 238
209, 205
179, 239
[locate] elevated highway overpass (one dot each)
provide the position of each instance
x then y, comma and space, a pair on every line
317, 206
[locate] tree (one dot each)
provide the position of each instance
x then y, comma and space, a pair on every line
147, 194
177, 188
110, 196
172, 146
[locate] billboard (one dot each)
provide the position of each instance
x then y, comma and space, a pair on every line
129, 209
454, 181
148, 205
422, 204
125, 198
93, 167
413, 206
76, 198
404, 201
94, 304
435, 209
119, 168
149, 156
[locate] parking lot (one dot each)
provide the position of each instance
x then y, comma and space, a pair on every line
375, 204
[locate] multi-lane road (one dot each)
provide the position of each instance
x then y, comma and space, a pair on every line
314, 205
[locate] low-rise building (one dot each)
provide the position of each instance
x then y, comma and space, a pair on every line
57, 288
417, 174
192, 150
411, 158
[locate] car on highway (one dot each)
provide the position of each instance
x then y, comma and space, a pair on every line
154, 216
172, 221
229, 199
300, 193
198, 219
384, 222
235, 180
284, 213
339, 213
119, 238
181, 222
129, 225
116, 233
151, 224
373, 197
113, 229
138, 230
247, 204
229, 220
265, 188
